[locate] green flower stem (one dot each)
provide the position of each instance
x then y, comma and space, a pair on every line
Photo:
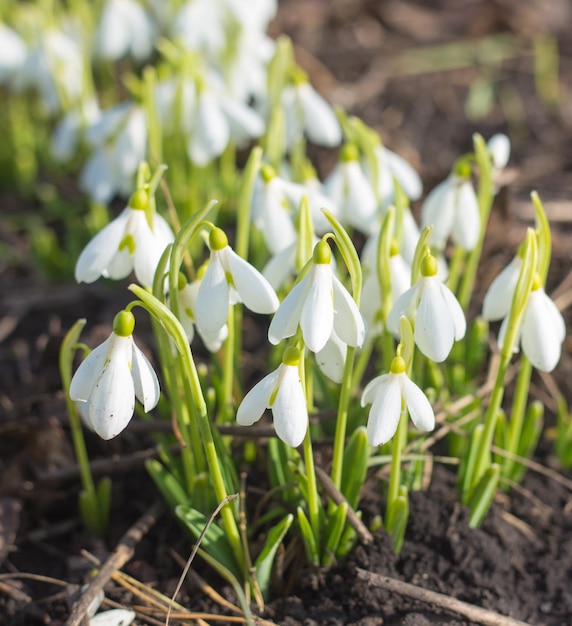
313, 498
456, 268
65, 364
519, 300
228, 368
517, 414
173, 327
398, 444
485, 198
342, 418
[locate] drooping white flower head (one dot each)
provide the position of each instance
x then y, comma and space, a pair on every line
71, 128
126, 244
227, 280
499, 147
124, 28
541, 332
12, 54
119, 140
281, 391
352, 192
110, 378
271, 211
307, 113
498, 299
187, 295
453, 210
390, 395
319, 304
389, 166
53, 67
434, 312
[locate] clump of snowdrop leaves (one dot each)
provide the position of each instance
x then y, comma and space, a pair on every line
281, 391
133, 241
227, 280
433, 310
319, 304
391, 395
110, 378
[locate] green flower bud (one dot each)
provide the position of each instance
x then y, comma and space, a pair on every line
349, 152
429, 266
139, 200
398, 365
217, 239
322, 253
291, 356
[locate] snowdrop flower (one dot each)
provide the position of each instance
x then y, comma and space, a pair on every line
308, 113
54, 67
187, 295
389, 166
452, 208
124, 28
391, 395
66, 137
498, 299
113, 617
119, 139
319, 304
271, 211
433, 310
128, 243
12, 54
542, 330
281, 391
351, 191
499, 147
229, 279
110, 378
216, 118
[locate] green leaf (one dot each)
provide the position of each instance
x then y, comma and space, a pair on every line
467, 468
356, 457
214, 541
334, 531
483, 494
265, 560
167, 483
103, 492
308, 538
531, 431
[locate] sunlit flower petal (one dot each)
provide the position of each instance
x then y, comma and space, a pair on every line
317, 316
498, 298
289, 407
384, 413
147, 389
212, 304
257, 400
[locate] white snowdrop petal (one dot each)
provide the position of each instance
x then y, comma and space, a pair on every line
434, 330
289, 408
360, 205
555, 317
214, 342
317, 316
332, 357
406, 305
210, 131
320, 122
406, 175
456, 311
211, 310
145, 380
120, 265
410, 237
502, 335
96, 256
256, 401
498, 298
540, 338
275, 220
88, 372
113, 617
245, 123
287, 317
439, 210
400, 273
254, 290
419, 407
385, 413
499, 147
348, 322
374, 387
112, 400
467, 221
280, 267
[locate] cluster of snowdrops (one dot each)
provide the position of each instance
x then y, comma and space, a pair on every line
372, 336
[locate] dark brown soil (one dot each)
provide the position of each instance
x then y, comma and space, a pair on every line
520, 562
